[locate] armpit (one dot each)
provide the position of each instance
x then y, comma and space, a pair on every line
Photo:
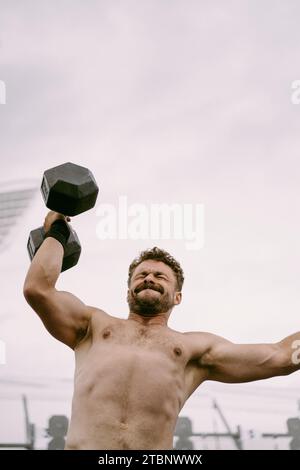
83, 334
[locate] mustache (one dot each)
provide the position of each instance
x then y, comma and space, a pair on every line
143, 286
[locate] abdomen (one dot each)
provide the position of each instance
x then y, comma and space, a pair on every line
125, 399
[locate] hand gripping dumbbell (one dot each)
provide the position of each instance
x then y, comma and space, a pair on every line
70, 190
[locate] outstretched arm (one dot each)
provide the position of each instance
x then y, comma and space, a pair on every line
235, 363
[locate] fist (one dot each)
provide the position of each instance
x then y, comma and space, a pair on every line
51, 217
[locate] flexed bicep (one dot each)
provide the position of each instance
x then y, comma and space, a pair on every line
63, 314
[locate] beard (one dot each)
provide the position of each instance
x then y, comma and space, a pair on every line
149, 305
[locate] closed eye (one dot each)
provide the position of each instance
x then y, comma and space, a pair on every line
160, 276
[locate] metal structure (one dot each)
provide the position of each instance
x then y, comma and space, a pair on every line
29, 431
14, 199
184, 432
293, 425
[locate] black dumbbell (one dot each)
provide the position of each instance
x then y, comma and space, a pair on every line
72, 250
70, 190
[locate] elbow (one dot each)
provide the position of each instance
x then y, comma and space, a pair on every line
30, 292
27, 291
33, 293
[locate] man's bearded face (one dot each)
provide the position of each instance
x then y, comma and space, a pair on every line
151, 289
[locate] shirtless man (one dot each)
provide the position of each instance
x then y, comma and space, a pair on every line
134, 375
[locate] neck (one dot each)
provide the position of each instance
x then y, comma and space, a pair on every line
159, 319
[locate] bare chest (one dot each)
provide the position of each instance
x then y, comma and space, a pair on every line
132, 357
147, 339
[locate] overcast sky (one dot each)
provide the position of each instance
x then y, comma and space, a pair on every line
166, 102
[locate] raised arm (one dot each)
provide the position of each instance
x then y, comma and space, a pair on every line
235, 363
64, 315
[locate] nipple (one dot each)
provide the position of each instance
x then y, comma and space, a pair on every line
106, 334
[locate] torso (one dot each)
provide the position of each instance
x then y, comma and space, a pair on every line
131, 382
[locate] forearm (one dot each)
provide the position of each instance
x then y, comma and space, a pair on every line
45, 266
290, 347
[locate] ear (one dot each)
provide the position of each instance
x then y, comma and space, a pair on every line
177, 298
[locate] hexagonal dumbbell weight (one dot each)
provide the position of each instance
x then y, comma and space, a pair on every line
70, 190
72, 250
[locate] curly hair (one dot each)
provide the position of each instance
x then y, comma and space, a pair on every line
158, 254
